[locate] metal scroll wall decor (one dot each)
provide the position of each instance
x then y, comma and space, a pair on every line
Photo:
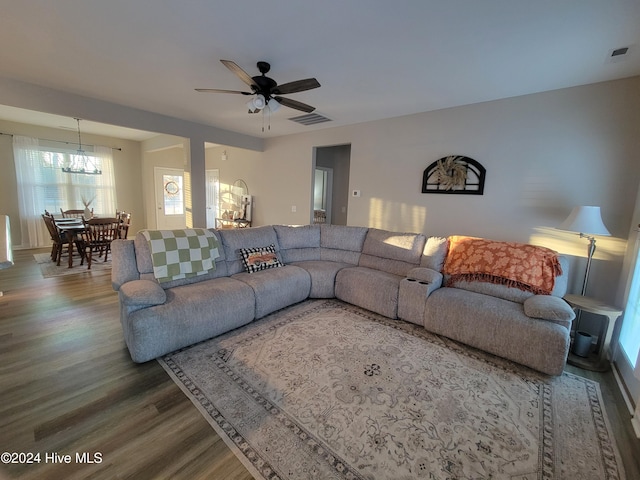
454, 174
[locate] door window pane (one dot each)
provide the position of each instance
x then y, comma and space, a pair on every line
173, 195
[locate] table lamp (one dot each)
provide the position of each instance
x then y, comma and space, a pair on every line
586, 221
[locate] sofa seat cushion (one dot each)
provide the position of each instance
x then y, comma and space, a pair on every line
369, 288
276, 288
190, 314
499, 327
323, 276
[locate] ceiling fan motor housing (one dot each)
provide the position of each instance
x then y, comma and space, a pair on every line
265, 85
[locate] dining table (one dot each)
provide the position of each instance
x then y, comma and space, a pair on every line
71, 228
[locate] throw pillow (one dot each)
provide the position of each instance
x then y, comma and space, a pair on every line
259, 258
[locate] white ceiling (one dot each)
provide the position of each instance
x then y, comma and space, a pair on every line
374, 58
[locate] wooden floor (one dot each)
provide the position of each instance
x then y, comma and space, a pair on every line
68, 386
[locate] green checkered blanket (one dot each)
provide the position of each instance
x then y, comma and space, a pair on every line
184, 253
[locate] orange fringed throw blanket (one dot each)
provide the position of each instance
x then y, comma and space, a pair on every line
513, 264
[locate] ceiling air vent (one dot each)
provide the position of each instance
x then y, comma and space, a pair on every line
310, 119
620, 51
619, 54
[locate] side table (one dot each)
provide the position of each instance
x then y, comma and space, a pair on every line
596, 361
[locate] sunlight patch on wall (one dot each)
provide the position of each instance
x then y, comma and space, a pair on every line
396, 216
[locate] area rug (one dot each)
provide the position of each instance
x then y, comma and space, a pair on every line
49, 268
327, 390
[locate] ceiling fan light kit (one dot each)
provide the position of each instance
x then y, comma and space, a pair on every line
266, 90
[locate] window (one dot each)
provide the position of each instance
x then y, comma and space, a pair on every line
173, 197
42, 185
630, 331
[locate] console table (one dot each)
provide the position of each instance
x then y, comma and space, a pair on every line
230, 223
596, 361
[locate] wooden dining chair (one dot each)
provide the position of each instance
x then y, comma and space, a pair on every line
125, 221
59, 241
97, 237
73, 213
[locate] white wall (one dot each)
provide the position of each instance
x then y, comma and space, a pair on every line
544, 154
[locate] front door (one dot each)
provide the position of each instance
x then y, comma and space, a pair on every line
170, 209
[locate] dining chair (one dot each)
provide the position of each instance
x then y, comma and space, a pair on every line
125, 221
73, 213
97, 237
59, 241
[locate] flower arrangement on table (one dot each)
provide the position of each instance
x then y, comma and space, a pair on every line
88, 213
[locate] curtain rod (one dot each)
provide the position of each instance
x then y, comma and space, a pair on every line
69, 143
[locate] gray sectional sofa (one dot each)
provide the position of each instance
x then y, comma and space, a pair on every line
398, 275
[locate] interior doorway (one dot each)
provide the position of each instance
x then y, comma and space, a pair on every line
330, 184
322, 193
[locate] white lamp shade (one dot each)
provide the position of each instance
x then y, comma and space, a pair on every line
259, 102
585, 219
273, 105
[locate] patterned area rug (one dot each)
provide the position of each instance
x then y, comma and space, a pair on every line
327, 390
50, 269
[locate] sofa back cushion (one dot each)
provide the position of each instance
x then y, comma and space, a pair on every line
145, 264
392, 252
235, 239
341, 243
298, 243
435, 253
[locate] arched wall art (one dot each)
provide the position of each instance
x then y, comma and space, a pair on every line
454, 174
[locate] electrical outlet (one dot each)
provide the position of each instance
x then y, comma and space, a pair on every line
355, 193
294, 209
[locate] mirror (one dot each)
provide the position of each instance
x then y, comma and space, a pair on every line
234, 201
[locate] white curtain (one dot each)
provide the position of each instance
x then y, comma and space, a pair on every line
42, 185
26, 156
106, 203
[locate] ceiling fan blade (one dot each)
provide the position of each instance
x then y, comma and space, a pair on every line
297, 86
287, 102
217, 90
240, 73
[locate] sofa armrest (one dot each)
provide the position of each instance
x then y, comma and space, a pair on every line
426, 275
550, 308
413, 293
142, 293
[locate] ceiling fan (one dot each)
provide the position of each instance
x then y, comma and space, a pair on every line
266, 90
